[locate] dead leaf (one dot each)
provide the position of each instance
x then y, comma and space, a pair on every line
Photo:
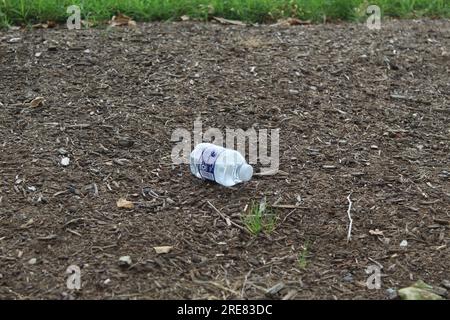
124, 203
36, 102
297, 22
87, 23
164, 249
291, 22
40, 26
376, 232
185, 18
122, 20
227, 21
50, 24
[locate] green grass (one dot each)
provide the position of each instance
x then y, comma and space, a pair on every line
259, 217
302, 259
34, 11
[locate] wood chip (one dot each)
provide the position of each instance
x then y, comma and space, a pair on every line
163, 249
36, 102
125, 204
376, 232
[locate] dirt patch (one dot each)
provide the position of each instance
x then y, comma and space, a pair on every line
359, 112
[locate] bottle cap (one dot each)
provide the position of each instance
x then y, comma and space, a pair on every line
245, 172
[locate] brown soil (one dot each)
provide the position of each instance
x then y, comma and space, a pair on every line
375, 105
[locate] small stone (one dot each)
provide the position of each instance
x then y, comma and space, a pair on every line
422, 291
391, 293
32, 188
198, 259
127, 143
125, 261
107, 281
32, 261
65, 161
374, 147
74, 190
275, 289
446, 284
440, 291
38, 54
348, 277
404, 244
414, 293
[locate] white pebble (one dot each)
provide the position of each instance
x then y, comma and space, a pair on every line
65, 161
125, 260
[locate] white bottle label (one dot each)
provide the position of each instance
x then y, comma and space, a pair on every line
207, 162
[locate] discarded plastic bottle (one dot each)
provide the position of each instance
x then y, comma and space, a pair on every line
224, 166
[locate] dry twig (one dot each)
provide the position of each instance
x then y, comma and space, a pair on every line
226, 218
349, 235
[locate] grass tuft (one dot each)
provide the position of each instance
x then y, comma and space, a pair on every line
259, 217
302, 259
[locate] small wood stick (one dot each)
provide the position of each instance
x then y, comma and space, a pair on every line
349, 235
226, 218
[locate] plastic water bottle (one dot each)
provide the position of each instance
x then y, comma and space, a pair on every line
224, 166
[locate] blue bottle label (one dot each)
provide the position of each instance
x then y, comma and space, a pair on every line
207, 162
